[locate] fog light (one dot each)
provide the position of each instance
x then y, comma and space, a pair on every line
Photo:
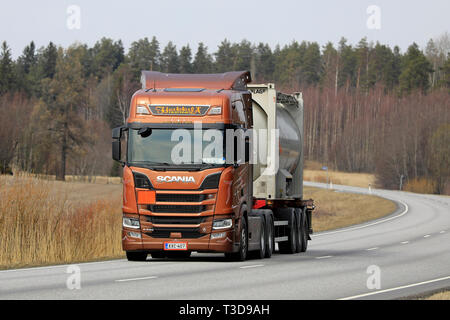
218, 235
134, 234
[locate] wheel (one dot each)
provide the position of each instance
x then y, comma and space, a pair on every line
261, 253
305, 232
178, 254
242, 253
136, 256
289, 246
302, 231
158, 255
270, 242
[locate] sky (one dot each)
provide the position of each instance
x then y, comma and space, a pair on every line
394, 22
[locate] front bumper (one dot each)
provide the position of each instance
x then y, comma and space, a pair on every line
202, 244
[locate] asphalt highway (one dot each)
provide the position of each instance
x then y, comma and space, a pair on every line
403, 254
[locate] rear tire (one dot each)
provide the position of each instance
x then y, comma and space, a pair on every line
270, 240
261, 253
302, 230
290, 246
136, 256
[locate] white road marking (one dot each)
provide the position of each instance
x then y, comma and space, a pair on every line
135, 279
443, 231
61, 266
396, 288
426, 236
324, 257
368, 225
370, 249
404, 242
252, 266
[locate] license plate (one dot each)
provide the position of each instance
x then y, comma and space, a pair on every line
175, 246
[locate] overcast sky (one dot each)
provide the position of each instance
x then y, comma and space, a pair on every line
400, 22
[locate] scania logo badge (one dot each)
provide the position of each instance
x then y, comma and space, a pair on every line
175, 179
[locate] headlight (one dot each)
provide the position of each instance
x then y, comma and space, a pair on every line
131, 223
222, 224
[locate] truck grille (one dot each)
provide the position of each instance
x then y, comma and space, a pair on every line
175, 220
163, 197
162, 208
187, 233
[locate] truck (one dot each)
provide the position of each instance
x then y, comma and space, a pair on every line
213, 164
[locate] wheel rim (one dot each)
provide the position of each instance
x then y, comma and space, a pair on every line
263, 241
270, 239
244, 241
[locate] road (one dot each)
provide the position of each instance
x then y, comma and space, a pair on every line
409, 250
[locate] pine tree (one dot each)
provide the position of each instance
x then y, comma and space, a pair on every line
203, 61
265, 63
64, 96
225, 57
311, 66
185, 59
416, 70
169, 59
107, 55
7, 75
144, 55
47, 60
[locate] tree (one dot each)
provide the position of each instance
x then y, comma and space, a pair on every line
416, 70
47, 61
265, 63
124, 85
439, 161
144, 55
169, 59
26, 70
203, 61
311, 66
348, 63
7, 76
446, 73
185, 60
106, 56
63, 98
224, 57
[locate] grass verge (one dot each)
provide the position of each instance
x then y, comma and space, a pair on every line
50, 222
337, 209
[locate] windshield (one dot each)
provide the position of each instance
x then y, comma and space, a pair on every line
176, 147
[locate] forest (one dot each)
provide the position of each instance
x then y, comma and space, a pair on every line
368, 107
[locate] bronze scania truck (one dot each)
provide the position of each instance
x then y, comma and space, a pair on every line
241, 199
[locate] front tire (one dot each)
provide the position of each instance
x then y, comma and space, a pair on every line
136, 256
242, 253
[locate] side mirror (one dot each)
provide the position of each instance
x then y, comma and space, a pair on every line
247, 150
116, 144
116, 152
117, 133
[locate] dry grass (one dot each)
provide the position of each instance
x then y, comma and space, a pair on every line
47, 222
445, 295
420, 185
350, 179
337, 209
